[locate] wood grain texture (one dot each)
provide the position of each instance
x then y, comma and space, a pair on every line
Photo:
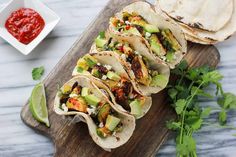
73, 139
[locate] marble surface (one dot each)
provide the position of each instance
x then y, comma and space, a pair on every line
16, 84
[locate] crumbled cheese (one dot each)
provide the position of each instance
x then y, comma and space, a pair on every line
136, 52
127, 22
73, 95
108, 67
147, 34
98, 63
104, 77
114, 133
64, 107
163, 58
101, 125
91, 111
123, 56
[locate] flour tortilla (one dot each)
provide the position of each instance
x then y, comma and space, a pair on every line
145, 10
206, 36
210, 15
113, 59
155, 64
127, 120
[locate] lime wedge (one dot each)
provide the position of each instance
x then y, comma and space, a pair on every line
38, 105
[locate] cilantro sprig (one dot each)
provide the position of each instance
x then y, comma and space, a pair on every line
184, 90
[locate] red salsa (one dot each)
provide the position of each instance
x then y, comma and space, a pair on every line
25, 25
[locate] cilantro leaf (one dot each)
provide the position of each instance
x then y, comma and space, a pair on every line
102, 34
222, 117
180, 104
37, 73
173, 125
206, 112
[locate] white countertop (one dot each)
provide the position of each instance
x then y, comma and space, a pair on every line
17, 140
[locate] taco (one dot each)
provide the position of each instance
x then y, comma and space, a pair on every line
149, 75
164, 38
83, 98
106, 68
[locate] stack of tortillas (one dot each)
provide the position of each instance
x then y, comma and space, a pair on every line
202, 21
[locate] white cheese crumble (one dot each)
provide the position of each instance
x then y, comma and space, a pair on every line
64, 107
104, 77
123, 56
98, 63
101, 125
108, 67
91, 111
127, 22
147, 34
73, 95
136, 52
163, 57
114, 133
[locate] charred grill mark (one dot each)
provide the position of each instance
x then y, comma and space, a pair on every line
179, 17
196, 25
136, 67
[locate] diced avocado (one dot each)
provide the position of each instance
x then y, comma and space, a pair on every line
92, 100
95, 72
77, 104
66, 89
159, 80
100, 42
103, 113
170, 56
136, 108
82, 64
156, 46
133, 31
103, 132
113, 76
151, 28
85, 91
112, 122
90, 60
171, 39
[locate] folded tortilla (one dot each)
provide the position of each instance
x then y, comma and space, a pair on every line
110, 142
165, 39
123, 91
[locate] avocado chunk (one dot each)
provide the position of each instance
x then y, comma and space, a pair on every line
112, 122
136, 108
85, 91
90, 60
113, 76
103, 132
159, 80
170, 56
133, 31
82, 65
167, 34
103, 113
151, 28
101, 40
92, 100
156, 46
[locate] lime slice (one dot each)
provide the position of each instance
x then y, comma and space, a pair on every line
38, 105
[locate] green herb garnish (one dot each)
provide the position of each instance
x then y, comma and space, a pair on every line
37, 73
184, 92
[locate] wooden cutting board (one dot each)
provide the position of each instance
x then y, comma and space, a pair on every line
72, 139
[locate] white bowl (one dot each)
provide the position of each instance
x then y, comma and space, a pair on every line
50, 19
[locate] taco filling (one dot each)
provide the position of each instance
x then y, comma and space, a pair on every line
162, 41
120, 86
82, 99
138, 63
